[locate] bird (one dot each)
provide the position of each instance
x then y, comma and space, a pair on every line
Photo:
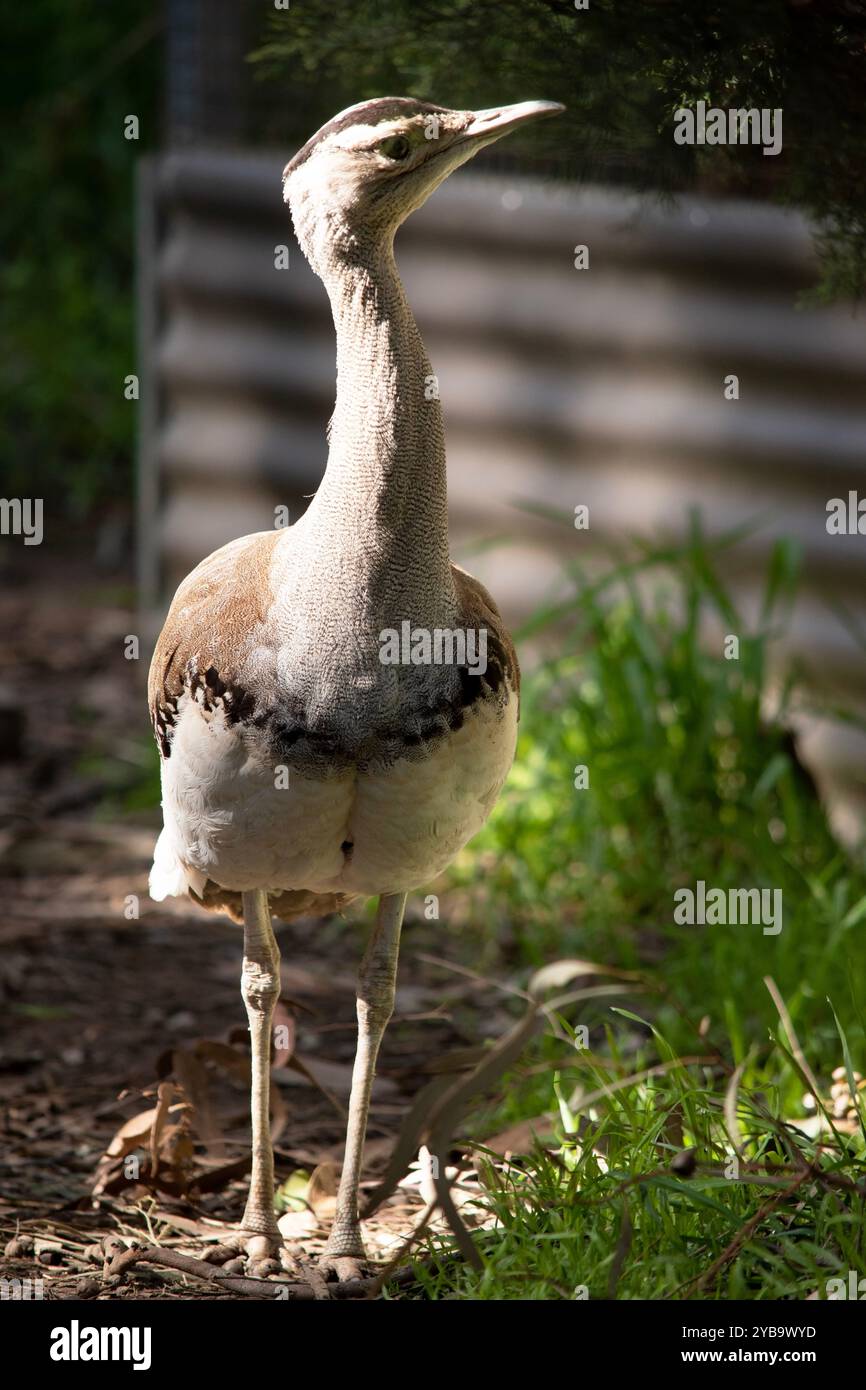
335, 703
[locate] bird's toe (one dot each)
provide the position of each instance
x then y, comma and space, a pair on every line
259, 1248
343, 1268
262, 1255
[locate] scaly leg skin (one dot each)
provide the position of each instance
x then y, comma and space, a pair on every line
344, 1253
259, 1236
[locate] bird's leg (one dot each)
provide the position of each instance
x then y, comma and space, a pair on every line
260, 987
375, 1004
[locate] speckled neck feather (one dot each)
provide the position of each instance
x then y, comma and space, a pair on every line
378, 525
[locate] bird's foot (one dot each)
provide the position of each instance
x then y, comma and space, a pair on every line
263, 1253
344, 1258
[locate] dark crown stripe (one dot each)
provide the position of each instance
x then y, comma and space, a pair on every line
368, 113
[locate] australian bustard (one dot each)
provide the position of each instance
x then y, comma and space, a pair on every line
302, 765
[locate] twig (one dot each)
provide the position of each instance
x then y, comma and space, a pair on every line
797, 1050
449, 1110
623, 1245
251, 1288
394, 1264
745, 1233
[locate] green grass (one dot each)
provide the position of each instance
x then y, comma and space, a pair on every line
692, 775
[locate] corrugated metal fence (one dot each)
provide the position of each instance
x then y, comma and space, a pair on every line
561, 386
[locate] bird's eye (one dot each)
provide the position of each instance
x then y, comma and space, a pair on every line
395, 147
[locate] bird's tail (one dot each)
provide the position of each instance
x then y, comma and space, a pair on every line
169, 876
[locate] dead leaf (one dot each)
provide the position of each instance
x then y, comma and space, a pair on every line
193, 1077
521, 1138
322, 1189
130, 1135
166, 1093
561, 972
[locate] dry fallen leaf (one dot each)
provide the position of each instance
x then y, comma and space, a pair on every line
322, 1190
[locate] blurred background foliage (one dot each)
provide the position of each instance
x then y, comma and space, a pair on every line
72, 71
622, 68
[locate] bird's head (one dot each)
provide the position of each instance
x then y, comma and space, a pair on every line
365, 171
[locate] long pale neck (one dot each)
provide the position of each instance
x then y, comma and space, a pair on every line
380, 516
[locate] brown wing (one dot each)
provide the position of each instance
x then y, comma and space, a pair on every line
478, 610
207, 633
202, 648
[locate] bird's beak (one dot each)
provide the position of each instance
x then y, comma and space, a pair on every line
499, 120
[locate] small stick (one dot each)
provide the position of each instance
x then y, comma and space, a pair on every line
252, 1288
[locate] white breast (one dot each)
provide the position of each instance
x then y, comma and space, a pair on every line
229, 817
